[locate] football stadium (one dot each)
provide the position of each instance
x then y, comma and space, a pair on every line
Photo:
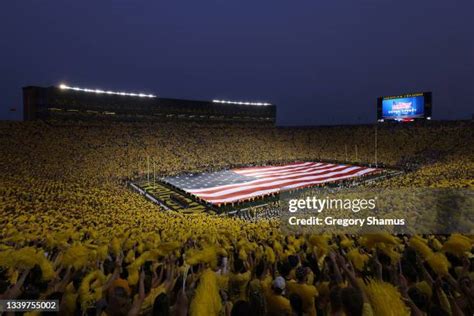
237, 158
129, 204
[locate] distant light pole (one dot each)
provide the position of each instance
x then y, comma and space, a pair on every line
139, 166
376, 145
148, 168
154, 175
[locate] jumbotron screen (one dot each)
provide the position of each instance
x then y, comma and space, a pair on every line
407, 107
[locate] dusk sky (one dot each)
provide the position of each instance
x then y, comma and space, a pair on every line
321, 62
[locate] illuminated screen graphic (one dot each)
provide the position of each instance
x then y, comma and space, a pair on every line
402, 108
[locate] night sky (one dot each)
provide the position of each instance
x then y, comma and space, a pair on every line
321, 62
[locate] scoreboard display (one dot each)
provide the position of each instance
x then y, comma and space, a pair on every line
404, 108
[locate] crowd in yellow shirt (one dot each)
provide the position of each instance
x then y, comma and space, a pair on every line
71, 229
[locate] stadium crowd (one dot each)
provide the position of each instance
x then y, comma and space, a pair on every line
71, 230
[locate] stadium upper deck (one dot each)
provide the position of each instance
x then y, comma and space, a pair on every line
70, 102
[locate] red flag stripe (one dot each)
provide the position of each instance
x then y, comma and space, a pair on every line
270, 168
308, 172
280, 184
257, 193
283, 171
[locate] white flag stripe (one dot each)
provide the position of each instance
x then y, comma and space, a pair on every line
263, 181
316, 170
286, 171
299, 170
278, 183
261, 169
252, 169
357, 174
276, 190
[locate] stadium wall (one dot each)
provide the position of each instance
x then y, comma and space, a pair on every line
57, 103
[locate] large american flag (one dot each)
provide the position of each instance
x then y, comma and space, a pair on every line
242, 184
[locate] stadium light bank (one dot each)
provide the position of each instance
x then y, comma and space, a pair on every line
241, 103
98, 91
